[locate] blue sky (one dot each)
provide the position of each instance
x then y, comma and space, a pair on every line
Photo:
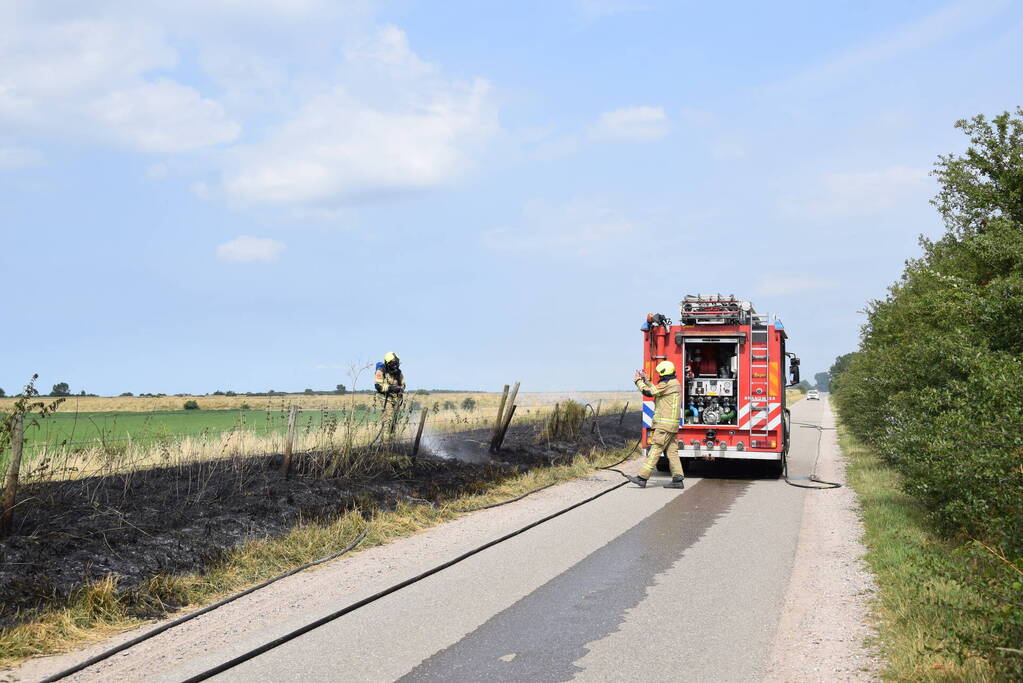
219, 194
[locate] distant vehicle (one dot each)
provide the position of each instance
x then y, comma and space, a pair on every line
813, 395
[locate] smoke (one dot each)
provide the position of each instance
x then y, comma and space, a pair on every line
454, 449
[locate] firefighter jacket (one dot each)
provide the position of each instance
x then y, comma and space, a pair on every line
387, 382
667, 401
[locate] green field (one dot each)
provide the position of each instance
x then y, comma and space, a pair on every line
75, 431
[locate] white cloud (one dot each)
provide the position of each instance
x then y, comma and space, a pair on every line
415, 130
857, 193
580, 227
18, 157
947, 21
247, 249
93, 80
639, 124
164, 117
783, 285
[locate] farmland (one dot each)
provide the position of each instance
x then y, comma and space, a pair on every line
84, 427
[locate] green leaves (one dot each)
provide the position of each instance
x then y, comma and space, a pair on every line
936, 386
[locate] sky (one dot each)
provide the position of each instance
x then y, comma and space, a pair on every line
262, 194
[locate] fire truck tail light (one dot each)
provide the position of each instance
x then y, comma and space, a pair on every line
774, 444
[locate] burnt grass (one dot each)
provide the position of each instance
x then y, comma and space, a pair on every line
173, 520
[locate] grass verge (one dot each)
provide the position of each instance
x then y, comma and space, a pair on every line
912, 608
98, 611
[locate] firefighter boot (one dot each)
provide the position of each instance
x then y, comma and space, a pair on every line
677, 482
638, 481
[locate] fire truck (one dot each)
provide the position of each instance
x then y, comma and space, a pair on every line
731, 363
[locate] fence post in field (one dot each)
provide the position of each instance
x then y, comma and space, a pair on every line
596, 416
11, 488
506, 421
552, 430
500, 415
622, 416
508, 418
419, 435
289, 443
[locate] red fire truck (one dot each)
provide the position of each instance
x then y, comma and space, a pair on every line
731, 363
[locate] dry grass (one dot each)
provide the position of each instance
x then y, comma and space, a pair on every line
340, 438
486, 401
98, 611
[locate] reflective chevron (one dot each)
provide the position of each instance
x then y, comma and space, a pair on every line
648, 414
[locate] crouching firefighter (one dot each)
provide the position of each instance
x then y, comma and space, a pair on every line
663, 438
390, 386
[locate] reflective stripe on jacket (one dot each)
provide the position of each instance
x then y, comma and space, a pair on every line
667, 402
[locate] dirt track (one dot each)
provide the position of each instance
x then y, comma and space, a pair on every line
180, 519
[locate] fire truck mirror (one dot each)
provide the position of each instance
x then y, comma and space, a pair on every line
794, 370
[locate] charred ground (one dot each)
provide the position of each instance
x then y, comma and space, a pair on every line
170, 520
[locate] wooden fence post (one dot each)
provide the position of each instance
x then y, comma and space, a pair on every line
289, 443
419, 435
11, 488
510, 415
504, 419
500, 415
622, 416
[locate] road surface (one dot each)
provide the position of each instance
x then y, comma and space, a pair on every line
641, 584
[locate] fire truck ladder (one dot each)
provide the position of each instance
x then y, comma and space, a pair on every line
759, 368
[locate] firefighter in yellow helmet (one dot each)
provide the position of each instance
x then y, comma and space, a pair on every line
663, 437
390, 385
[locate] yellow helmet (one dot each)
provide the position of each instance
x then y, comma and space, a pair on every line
390, 356
665, 367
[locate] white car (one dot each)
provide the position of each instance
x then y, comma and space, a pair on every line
813, 395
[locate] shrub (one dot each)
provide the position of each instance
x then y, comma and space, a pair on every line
469, 404
449, 405
192, 405
935, 384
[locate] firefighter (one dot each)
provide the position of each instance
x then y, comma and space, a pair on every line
667, 395
390, 385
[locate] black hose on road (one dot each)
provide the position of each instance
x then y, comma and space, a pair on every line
813, 474
106, 654
251, 654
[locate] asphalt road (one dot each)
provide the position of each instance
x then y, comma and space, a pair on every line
651, 584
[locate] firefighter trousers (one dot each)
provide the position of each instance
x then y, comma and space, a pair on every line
662, 441
390, 414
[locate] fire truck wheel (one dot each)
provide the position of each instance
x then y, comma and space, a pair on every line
774, 468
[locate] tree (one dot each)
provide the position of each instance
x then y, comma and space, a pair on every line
822, 380
2, 394
127, 393
469, 403
61, 389
340, 389
191, 405
308, 392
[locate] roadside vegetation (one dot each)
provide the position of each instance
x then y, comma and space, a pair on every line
918, 608
935, 391
100, 609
